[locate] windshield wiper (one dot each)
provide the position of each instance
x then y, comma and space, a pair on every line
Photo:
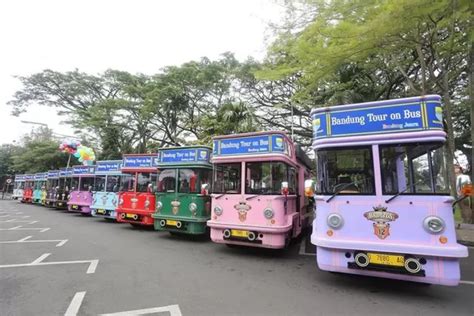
340, 189
403, 191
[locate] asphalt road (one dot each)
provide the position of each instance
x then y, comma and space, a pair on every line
99, 267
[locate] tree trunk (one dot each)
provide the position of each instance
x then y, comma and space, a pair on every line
449, 123
471, 101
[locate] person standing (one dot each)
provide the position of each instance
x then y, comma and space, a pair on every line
461, 180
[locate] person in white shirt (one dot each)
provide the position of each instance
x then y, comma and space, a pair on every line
464, 205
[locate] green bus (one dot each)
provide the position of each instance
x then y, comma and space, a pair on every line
183, 204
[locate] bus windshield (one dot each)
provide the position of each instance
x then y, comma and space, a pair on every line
226, 178
267, 178
19, 185
112, 184
99, 184
413, 169
146, 182
127, 182
345, 171
74, 183
167, 180
86, 184
190, 180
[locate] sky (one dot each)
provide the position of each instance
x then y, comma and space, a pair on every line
138, 36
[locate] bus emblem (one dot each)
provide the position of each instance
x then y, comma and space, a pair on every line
175, 207
242, 209
381, 218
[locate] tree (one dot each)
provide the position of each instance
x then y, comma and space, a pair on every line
37, 152
402, 48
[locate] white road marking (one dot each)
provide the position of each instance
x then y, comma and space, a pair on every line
172, 309
466, 282
302, 251
15, 221
41, 258
60, 242
11, 215
41, 229
92, 266
39, 262
75, 304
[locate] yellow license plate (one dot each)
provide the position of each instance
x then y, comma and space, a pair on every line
60, 204
171, 222
129, 215
100, 211
387, 260
75, 207
239, 233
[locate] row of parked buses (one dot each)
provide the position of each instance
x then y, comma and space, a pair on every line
381, 191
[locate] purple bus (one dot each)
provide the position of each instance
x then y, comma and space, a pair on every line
382, 193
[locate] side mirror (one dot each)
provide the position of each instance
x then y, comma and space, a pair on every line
309, 188
205, 189
467, 190
284, 188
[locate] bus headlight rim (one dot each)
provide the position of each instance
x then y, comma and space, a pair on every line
268, 213
434, 224
335, 220
218, 210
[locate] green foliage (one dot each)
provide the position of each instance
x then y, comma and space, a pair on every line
39, 156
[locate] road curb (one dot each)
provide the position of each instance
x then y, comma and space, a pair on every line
468, 243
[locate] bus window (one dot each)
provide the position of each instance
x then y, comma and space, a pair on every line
227, 178
99, 184
112, 184
127, 182
265, 177
346, 171
413, 169
167, 180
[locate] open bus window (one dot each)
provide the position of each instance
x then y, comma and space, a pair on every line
127, 182
87, 184
146, 182
112, 184
99, 184
413, 169
346, 171
74, 184
190, 180
267, 177
226, 178
167, 180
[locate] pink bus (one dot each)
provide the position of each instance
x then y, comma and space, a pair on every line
258, 190
383, 200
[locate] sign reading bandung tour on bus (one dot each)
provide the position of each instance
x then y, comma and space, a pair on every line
108, 166
250, 145
379, 117
140, 161
184, 155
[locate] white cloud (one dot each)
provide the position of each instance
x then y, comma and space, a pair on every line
135, 36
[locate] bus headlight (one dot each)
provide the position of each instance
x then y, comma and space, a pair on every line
268, 213
159, 205
218, 210
433, 224
335, 221
193, 207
